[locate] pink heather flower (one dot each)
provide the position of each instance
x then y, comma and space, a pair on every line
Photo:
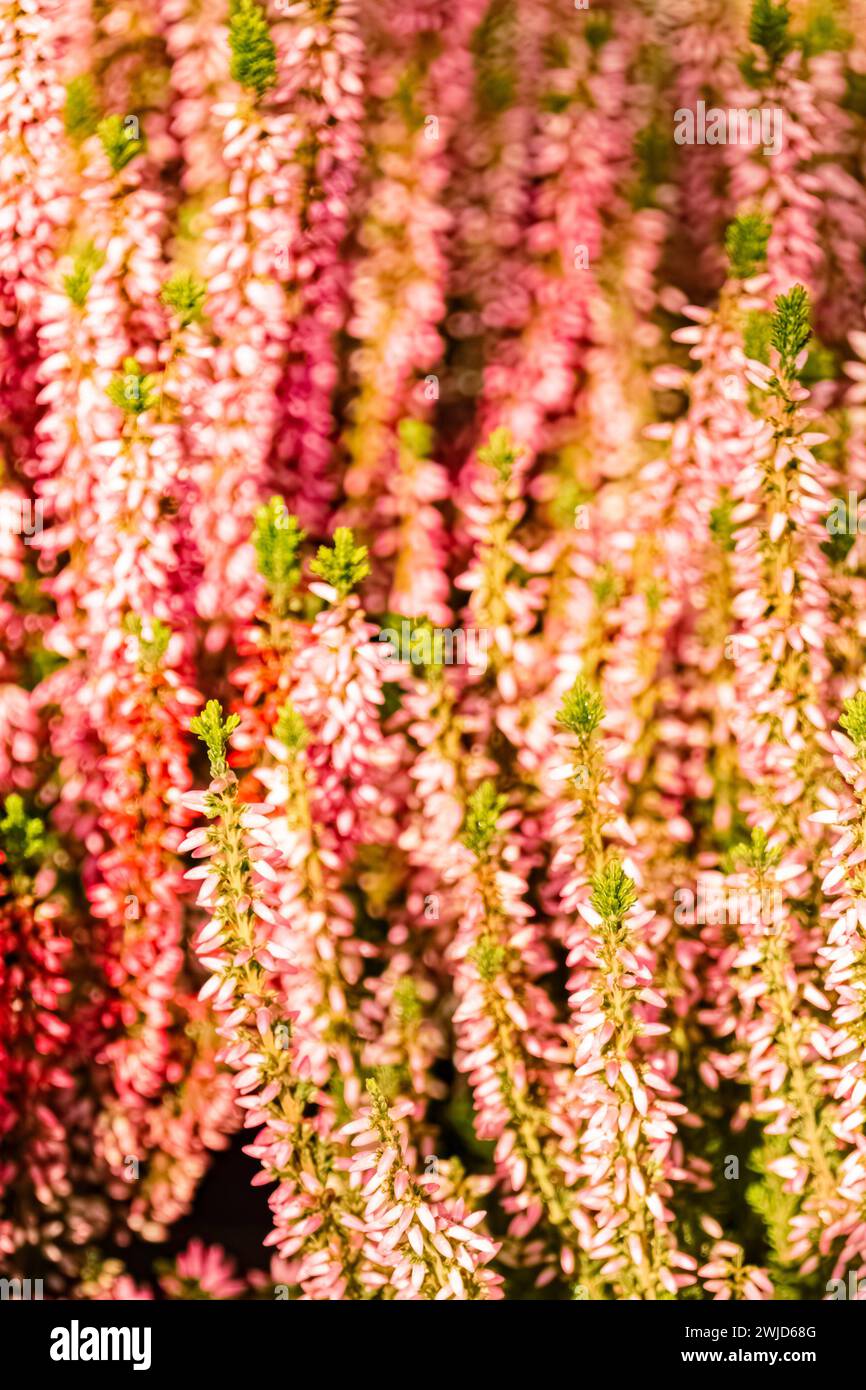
725, 1275
119, 512
324, 73
242, 946
781, 656
125, 1290
492, 138
197, 43
19, 736
507, 1039
501, 606
397, 295
202, 1271
431, 1249
580, 157
109, 1283
537, 931
253, 226
586, 813
622, 1097
48, 41
338, 693
323, 960
767, 995
126, 717
701, 42
806, 177
843, 1057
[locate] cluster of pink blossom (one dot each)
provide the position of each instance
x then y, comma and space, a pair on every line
432, 647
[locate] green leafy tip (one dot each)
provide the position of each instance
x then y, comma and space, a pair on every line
483, 810
493, 44
489, 957
81, 112
184, 296
407, 1002
416, 437
342, 565
606, 585
746, 244
153, 639
757, 853
501, 453
652, 151
768, 29
291, 730
853, 719
855, 93
133, 391
756, 335
790, 330
254, 57
598, 30
377, 1098
278, 538
613, 891
120, 140
22, 837
417, 640
722, 527
215, 732
85, 265
823, 32
581, 711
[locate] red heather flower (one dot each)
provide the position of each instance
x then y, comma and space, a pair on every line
46, 1054
139, 881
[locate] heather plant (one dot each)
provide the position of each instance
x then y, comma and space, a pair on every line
326, 321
